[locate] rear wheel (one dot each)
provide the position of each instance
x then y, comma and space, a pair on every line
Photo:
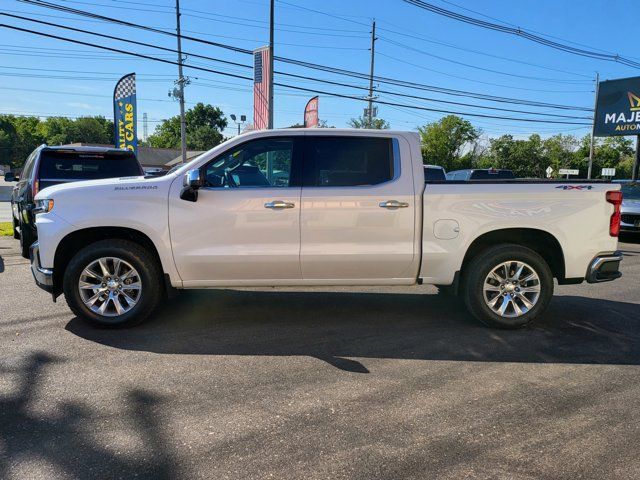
113, 283
507, 286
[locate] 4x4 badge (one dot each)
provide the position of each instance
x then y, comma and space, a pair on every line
575, 187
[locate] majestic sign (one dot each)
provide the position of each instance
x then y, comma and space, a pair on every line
125, 113
311, 113
618, 108
261, 81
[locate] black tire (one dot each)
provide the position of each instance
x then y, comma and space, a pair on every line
137, 256
26, 239
16, 235
487, 261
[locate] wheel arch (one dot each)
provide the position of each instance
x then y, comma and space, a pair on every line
543, 243
78, 239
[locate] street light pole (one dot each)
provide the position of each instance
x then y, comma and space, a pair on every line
243, 118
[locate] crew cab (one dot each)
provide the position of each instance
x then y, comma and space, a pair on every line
53, 165
321, 207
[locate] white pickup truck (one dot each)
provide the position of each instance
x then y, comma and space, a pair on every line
321, 207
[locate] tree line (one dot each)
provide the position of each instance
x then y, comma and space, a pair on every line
19, 136
451, 142
454, 143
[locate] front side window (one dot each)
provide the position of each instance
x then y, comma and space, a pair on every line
258, 163
347, 161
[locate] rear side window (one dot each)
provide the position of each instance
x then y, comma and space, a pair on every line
347, 161
86, 166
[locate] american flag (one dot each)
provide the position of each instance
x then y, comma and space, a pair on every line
261, 81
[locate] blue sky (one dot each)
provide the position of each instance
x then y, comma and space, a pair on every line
49, 77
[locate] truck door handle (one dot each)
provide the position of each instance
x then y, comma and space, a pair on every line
393, 204
279, 205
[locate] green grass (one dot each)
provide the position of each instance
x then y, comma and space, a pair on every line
6, 229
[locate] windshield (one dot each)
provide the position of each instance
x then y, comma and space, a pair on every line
69, 165
631, 191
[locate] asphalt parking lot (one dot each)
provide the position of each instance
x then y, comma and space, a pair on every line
375, 383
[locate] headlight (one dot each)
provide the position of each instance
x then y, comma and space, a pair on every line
43, 206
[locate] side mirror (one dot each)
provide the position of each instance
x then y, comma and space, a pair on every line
10, 177
192, 182
192, 179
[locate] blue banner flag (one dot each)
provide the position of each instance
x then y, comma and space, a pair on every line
125, 113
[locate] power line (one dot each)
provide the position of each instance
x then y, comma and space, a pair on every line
310, 65
433, 88
475, 80
113, 37
62, 115
451, 112
229, 19
475, 52
517, 31
92, 95
284, 73
476, 67
317, 91
531, 30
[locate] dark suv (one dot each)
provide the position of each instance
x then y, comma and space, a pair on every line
48, 166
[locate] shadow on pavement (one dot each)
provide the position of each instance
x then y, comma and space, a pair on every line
66, 439
335, 327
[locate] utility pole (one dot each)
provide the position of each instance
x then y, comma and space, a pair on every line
145, 126
181, 83
593, 127
373, 56
271, 79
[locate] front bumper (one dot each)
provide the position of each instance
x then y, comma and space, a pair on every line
630, 219
42, 276
604, 267
629, 228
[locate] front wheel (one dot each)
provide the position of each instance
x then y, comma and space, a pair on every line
113, 283
507, 286
26, 239
16, 235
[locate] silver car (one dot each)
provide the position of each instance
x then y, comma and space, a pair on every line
630, 220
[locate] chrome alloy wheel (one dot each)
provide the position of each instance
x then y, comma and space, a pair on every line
110, 287
511, 289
